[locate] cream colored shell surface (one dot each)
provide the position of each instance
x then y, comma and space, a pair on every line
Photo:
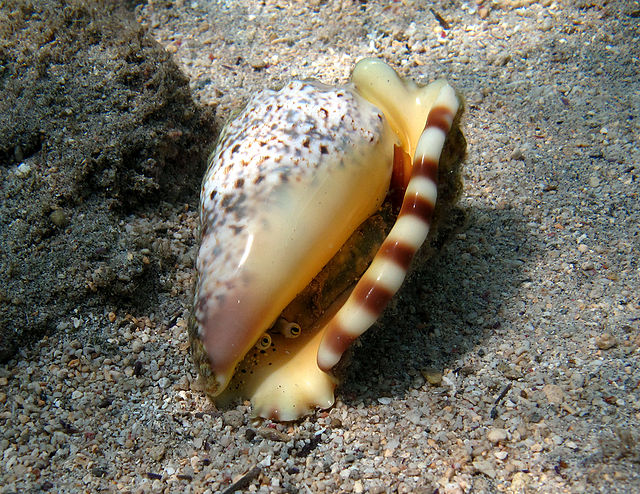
307, 134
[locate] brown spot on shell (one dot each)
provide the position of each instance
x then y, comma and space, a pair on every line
226, 200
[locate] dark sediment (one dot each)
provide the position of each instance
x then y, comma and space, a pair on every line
96, 125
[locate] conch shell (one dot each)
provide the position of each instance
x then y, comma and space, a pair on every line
314, 203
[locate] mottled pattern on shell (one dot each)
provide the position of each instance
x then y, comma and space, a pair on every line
291, 134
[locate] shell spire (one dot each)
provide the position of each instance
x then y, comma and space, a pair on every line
389, 267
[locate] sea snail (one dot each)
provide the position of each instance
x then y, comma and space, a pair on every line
313, 205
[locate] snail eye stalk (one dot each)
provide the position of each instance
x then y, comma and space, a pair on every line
287, 329
264, 342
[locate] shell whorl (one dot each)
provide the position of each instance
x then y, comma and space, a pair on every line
389, 267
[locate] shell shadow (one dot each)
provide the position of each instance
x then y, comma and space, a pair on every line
445, 309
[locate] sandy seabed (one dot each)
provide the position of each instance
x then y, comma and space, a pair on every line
527, 324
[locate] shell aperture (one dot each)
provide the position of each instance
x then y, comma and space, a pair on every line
294, 207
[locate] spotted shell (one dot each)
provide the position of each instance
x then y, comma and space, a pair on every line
314, 203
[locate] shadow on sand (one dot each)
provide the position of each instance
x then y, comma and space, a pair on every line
444, 310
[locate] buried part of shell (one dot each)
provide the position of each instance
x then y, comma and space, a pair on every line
314, 203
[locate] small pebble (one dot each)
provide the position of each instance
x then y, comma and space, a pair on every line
554, 393
577, 380
358, 487
274, 434
266, 462
496, 435
588, 266
335, 423
59, 218
520, 482
606, 341
535, 417
183, 384
258, 63
500, 455
433, 376
485, 467
157, 452
23, 170
517, 154
233, 418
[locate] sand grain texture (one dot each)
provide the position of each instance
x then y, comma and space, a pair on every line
509, 364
